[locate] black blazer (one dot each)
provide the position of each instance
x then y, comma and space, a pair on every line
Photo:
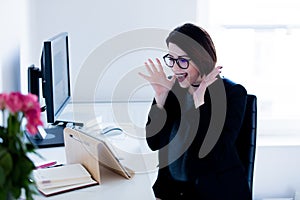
217, 122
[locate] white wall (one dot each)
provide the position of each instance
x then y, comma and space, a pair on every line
10, 45
90, 24
276, 172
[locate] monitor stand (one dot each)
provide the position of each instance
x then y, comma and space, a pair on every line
54, 137
50, 137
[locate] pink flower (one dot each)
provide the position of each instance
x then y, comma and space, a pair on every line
28, 104
33, 120
31, 129
3, 101
30, 101
14, 102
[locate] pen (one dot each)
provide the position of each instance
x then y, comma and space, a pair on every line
47, 164
58, 165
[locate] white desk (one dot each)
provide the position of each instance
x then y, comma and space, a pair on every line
132, 148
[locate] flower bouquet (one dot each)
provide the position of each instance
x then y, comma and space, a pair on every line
15, 166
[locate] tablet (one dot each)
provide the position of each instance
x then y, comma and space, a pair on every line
91, 152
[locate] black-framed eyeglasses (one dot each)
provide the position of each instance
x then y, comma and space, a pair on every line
182, 62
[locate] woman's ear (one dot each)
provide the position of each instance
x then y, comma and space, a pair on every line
199, 79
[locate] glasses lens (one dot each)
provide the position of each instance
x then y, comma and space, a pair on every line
169, 61
183, 63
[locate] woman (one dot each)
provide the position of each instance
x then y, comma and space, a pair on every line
194, 121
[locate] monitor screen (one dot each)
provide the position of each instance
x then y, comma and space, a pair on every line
55, 75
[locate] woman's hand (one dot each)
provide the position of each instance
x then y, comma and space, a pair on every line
198, 95
158, 80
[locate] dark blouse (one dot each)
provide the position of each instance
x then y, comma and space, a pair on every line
193, 142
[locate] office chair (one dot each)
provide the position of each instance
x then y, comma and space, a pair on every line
246, 141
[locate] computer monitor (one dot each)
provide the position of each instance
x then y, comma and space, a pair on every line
55, 75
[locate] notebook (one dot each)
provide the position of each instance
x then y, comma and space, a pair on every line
55, 180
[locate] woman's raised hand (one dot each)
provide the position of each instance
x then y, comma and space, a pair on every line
206, 80
158, 80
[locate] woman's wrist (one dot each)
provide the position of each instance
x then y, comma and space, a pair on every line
198, 101
199, 96
161, 99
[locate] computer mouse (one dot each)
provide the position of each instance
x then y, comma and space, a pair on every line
111, 130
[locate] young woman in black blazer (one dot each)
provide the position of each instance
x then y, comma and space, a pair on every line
194, 121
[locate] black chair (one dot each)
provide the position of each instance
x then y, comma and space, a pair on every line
246, 141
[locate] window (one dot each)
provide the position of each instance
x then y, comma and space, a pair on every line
258, 43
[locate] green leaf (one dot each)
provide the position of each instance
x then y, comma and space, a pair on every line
30, 147
2, 194
16, 192
15, 167
22, 170
27, 165
2, 151
17, 173
6, 162
2, 177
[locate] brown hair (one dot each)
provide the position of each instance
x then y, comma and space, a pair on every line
198, 45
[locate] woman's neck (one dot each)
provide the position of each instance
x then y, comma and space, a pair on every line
193, 87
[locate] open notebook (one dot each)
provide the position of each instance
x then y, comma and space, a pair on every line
92, 153
51, 181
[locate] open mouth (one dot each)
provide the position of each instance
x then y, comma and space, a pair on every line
181, 76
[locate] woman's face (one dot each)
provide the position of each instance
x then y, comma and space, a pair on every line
185, 77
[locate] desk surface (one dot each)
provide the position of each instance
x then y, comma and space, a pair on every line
113, 186
131, 147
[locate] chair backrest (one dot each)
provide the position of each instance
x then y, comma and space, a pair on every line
246, 141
